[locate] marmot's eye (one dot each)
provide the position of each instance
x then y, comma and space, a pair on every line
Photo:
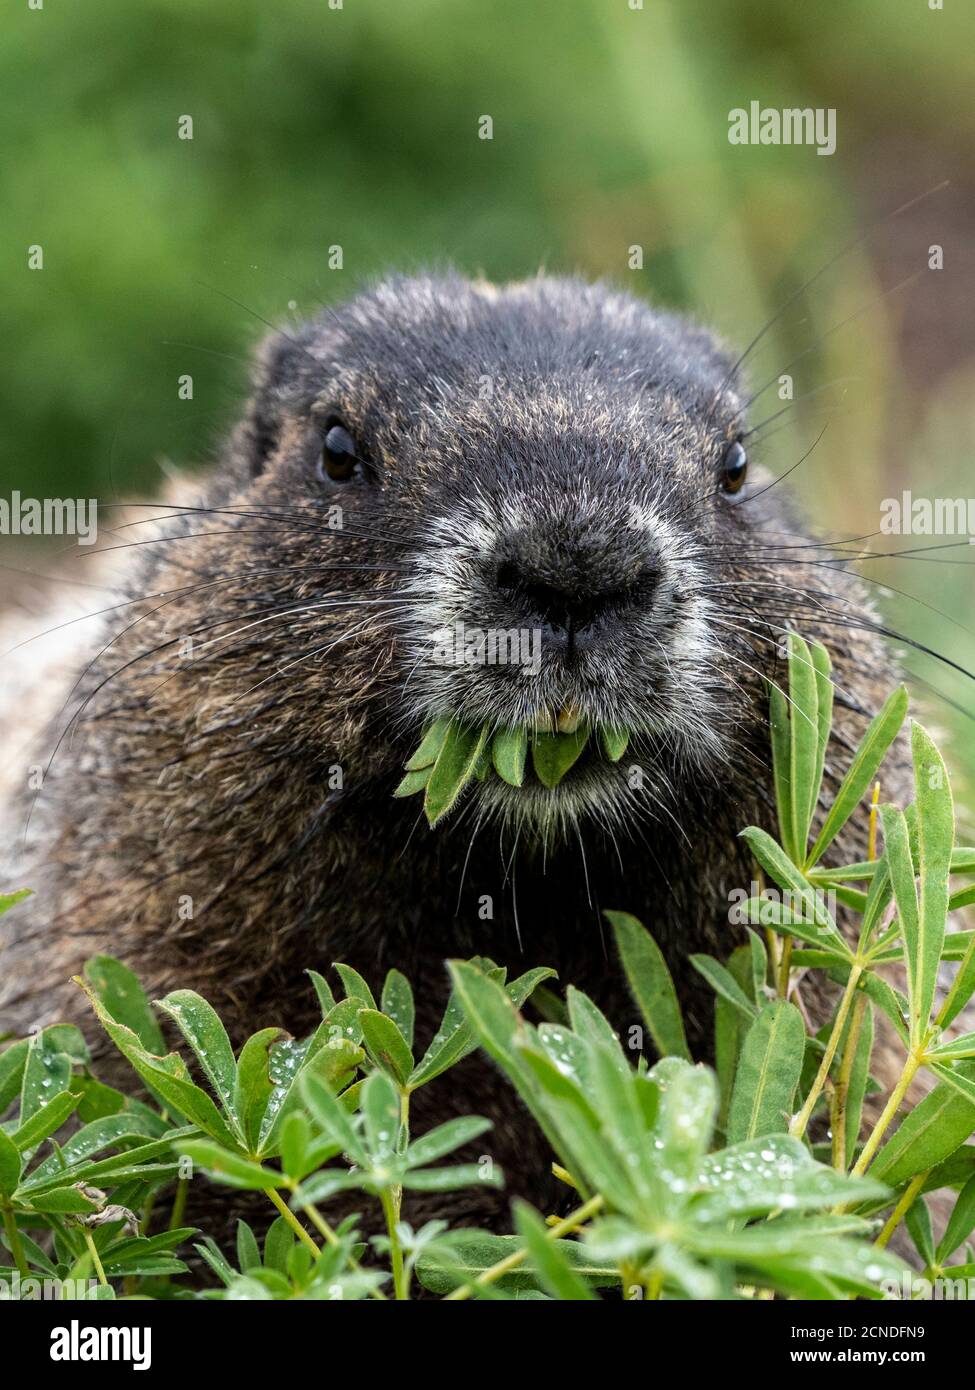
734, 467
338, 459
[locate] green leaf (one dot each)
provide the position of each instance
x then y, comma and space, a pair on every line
253, 1087
248, 1252
859, 1078
47, 1070
509, 750
380, 1106
554, 754
614, 742
9, 900
961, 1223
458, 1257
781, 767
452, 1179
124, 999
333, 1119
329, 1060
12, 1062
47, 1120
10, 1165
807, 900
355, 986
592, 1025
929, 1132
760, 1176
724, 984
918, 1222
804, 741
862, 771
650, 984
824, 713
454, 1039
935, 836
397, 1003
456, 761
63, 1201
386, 1045
555, 1273
326, 999
413, 782
201, 1027
688, 1105
166, 1075
768, 1073
439, 1142
431, 744
228, 1166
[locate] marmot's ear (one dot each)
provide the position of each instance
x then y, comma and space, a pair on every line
276, 379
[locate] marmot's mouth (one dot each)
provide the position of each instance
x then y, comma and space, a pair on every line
452, 753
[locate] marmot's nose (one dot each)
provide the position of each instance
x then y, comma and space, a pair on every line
572, 604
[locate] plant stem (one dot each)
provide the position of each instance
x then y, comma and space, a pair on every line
843, 1083
785, 968
319, 1222
16, 1244
797, 1128
902, 1207
179, 1203
292, 1220
390, 1206
95, 1259
565, 1227
872, 832
890, 1110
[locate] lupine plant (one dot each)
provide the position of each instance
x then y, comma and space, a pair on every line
783, 1170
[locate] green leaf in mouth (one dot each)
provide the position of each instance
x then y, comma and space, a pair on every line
450, 754
429, 749
614, 742
554, 754
456, 762
508, 751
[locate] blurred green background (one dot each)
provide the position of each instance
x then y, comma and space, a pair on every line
357, 126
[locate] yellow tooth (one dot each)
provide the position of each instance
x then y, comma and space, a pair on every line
544, 723
567, 720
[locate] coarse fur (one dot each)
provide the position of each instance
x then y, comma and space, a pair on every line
217, 805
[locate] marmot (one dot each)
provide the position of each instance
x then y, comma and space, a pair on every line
551, 457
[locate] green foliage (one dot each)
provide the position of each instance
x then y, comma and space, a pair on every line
450, 754
692, 1183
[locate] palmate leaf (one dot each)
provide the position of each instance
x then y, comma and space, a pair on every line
124, 999
397, 1003
201, 1027
167, 1075
386, 1045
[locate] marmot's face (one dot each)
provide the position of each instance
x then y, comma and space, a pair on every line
553, 475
